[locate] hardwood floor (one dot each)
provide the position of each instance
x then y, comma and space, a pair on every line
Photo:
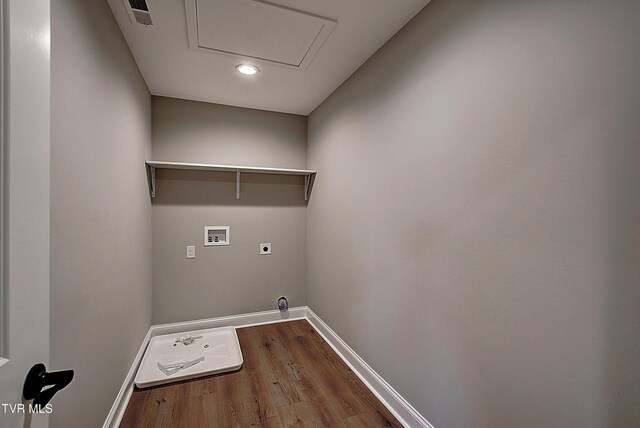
290, 377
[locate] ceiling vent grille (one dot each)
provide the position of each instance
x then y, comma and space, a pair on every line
140, 11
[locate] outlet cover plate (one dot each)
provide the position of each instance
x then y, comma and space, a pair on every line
191, 251
265, 249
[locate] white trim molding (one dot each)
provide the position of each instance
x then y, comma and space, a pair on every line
401, 409
124, 395
389, 397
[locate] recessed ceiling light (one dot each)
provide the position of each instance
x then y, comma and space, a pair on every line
247, 69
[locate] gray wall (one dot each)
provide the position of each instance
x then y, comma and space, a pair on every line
234, 279
473, 232
100, 209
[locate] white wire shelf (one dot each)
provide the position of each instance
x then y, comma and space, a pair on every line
308, 174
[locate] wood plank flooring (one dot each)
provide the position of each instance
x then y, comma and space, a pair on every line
290, 377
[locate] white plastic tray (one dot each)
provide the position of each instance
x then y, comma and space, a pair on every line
219, 346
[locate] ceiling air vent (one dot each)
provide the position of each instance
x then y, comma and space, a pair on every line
140, 12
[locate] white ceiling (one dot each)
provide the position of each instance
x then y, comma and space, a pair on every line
304, 48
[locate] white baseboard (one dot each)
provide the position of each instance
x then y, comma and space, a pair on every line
401, 409
124, 395
393, 401
243, 320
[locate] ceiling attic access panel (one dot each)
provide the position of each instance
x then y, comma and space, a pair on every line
256, 30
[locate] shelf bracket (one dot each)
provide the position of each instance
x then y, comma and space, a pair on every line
152, 174
237, 184
308, 185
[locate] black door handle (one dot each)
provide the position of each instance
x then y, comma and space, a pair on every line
38, 378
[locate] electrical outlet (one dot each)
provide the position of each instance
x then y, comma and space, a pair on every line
265, 249
191, 252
